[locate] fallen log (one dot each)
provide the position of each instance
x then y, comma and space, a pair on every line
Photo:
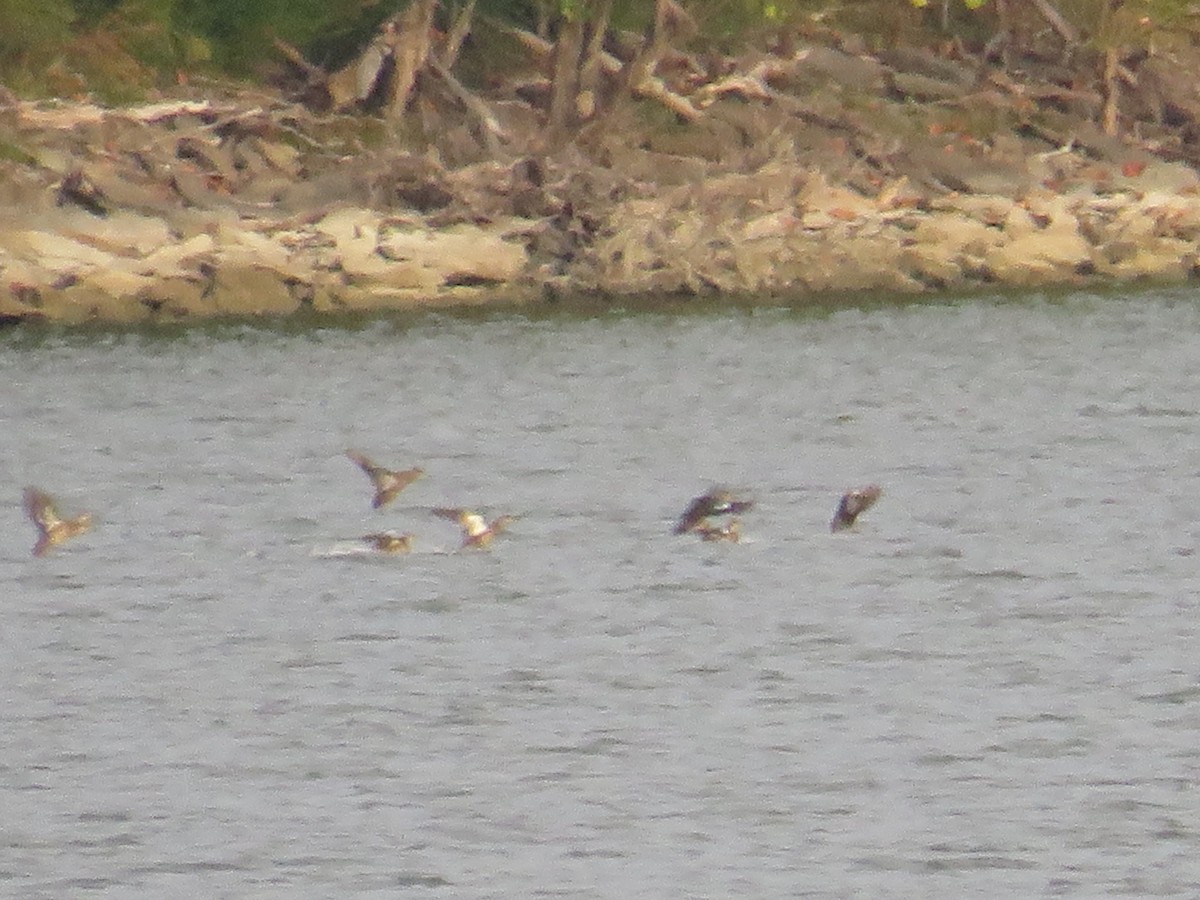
71, 116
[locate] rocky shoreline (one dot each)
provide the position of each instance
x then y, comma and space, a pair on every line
194, 208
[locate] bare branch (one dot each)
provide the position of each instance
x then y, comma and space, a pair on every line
458, 33
1056, 21
490, 127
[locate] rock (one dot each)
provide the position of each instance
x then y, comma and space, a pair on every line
1162, 260
20, 299
462, 256
952, 167
178, 259
123, 233
804, 174
127, 191
177, 297
930, 264
1049, 256
251, 290
355, 234
282, 157
240, 246
122, 286
953, 236
988, 210
1020, 223
837, 203
209, 156
370, 298
197, 189
93, 299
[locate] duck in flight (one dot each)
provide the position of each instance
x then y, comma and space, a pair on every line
717, 502
477, 531
853, 504
52, 528
388, 483
389, 542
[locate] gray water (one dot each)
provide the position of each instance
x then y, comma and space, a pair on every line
990, 688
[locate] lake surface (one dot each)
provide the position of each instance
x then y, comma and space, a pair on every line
991, 687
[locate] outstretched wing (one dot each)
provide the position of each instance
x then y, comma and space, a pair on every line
714, 503
469, 521
52, 528
39, 506
695, 513
387, 483
362, 462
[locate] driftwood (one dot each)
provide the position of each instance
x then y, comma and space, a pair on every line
72, 116
389, 64
388, 69
639, 81
589, 68
354, 83
491, 130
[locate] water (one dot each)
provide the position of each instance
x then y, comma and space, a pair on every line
989, 689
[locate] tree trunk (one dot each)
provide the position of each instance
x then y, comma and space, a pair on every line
1112, 92
565, 85
410, 52
590, 67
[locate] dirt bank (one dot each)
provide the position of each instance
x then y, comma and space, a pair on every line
828, 168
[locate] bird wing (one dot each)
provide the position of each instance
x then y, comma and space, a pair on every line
392, 483
714, 503
387, 483
470, 522
453, 513
501, 523
362, 462
695, 513
40, 508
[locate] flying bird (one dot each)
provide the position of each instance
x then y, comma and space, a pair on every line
714, 503
477, 531
388, 483
52, 528
853, 504
389, 542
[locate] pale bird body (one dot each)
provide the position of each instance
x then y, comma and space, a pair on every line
477, 531
389, 542
731, 532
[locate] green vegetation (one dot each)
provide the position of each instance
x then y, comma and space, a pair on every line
13, 153
122, 48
